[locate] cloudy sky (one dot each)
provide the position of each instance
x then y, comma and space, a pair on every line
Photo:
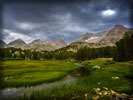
63, 19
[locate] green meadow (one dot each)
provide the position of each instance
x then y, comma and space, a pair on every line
26, 73
104, 73
115, 76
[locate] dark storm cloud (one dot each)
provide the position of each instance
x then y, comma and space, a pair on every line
61, 19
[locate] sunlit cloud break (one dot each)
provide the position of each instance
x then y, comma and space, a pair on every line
108, 12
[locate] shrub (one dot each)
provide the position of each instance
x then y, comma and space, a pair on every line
90, 67
110, 61
86, 63
129, 75
106, 63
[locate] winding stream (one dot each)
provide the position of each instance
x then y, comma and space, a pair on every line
69, 79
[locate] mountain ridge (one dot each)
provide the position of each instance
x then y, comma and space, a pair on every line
100, 39
112, 35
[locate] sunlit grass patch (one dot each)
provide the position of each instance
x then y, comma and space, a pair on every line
23, 73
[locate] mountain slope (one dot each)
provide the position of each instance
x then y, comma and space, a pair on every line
109, 36
3, 44
37, 41
92, 38
115, 34
58, 43
85, 37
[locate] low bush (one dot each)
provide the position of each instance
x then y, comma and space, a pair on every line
128, 75
106, 63
86, 63
110, 61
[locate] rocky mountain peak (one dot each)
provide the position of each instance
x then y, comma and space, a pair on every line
118, 29
84, 37
119, 26
88, 34
17, 42
37, 41
60, 40
58, 43
115, 34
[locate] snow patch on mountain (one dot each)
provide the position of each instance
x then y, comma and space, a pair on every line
91, 38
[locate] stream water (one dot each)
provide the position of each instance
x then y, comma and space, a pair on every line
69, 79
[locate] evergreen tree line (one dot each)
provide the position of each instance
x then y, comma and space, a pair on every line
82, 54
93, 53
125, 48
123, 51
17, 53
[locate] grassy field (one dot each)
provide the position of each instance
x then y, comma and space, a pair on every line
24, 73
115, 76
